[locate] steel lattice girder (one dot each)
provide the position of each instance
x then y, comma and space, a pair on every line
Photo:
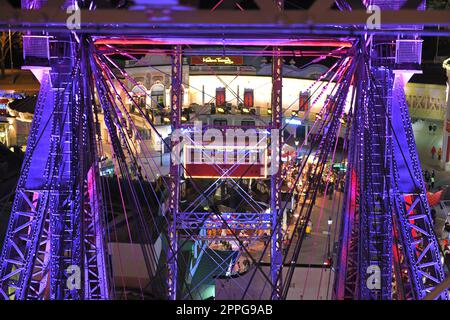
50, 233
375, 220
347, 273
267, 20
174, 183
419, 242
276, 259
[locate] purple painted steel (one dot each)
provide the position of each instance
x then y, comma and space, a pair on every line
419, 242
28, 224
276, 260
54, 216
174, 179
375, 243
347, 271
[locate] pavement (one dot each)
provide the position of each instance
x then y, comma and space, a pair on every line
424, 142
316, 247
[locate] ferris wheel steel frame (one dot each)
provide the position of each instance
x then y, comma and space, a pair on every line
57, 220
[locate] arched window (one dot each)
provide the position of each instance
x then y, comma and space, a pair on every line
139, 96
158, 95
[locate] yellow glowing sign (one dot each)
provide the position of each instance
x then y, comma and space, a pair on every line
225, 60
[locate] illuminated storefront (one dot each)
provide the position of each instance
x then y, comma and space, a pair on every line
446, 117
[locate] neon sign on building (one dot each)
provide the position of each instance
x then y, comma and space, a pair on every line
227, 60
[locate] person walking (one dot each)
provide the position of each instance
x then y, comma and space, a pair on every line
331, 191
308, 228
434, 129
432, 183
439, 153
433, 173
427, 176
433, 151
430, 128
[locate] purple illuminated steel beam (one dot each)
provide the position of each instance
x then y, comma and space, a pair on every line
22, 254
96, 265
347, 273
376, 240
54, 212
174, 183
419, 242
275, 201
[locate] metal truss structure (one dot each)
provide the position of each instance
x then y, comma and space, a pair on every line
56, 245
318, 19
56, 226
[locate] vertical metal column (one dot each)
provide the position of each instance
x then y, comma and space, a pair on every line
347, 271
174, 180
276, 259
376, 220
96, 263
419, 242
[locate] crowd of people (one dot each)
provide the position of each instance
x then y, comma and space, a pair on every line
438, 151
290, 176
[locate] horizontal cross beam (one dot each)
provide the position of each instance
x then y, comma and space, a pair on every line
221, 23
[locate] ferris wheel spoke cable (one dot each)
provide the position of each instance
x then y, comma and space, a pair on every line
197, 190
123, 173
139, 213
300, 215
299, 242
340, 202
105, 186
333, 212
292, 189
218, 256
118, 51
328, 175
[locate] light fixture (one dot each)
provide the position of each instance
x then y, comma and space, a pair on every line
245, 110
220, 110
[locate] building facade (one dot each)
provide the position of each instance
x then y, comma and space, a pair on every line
446, 132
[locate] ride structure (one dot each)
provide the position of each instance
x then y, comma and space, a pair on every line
57, 242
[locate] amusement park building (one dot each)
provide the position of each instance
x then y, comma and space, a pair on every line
446, 116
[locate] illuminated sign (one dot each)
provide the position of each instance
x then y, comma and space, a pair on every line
294, 121
426, 101
3, 105
208, 60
